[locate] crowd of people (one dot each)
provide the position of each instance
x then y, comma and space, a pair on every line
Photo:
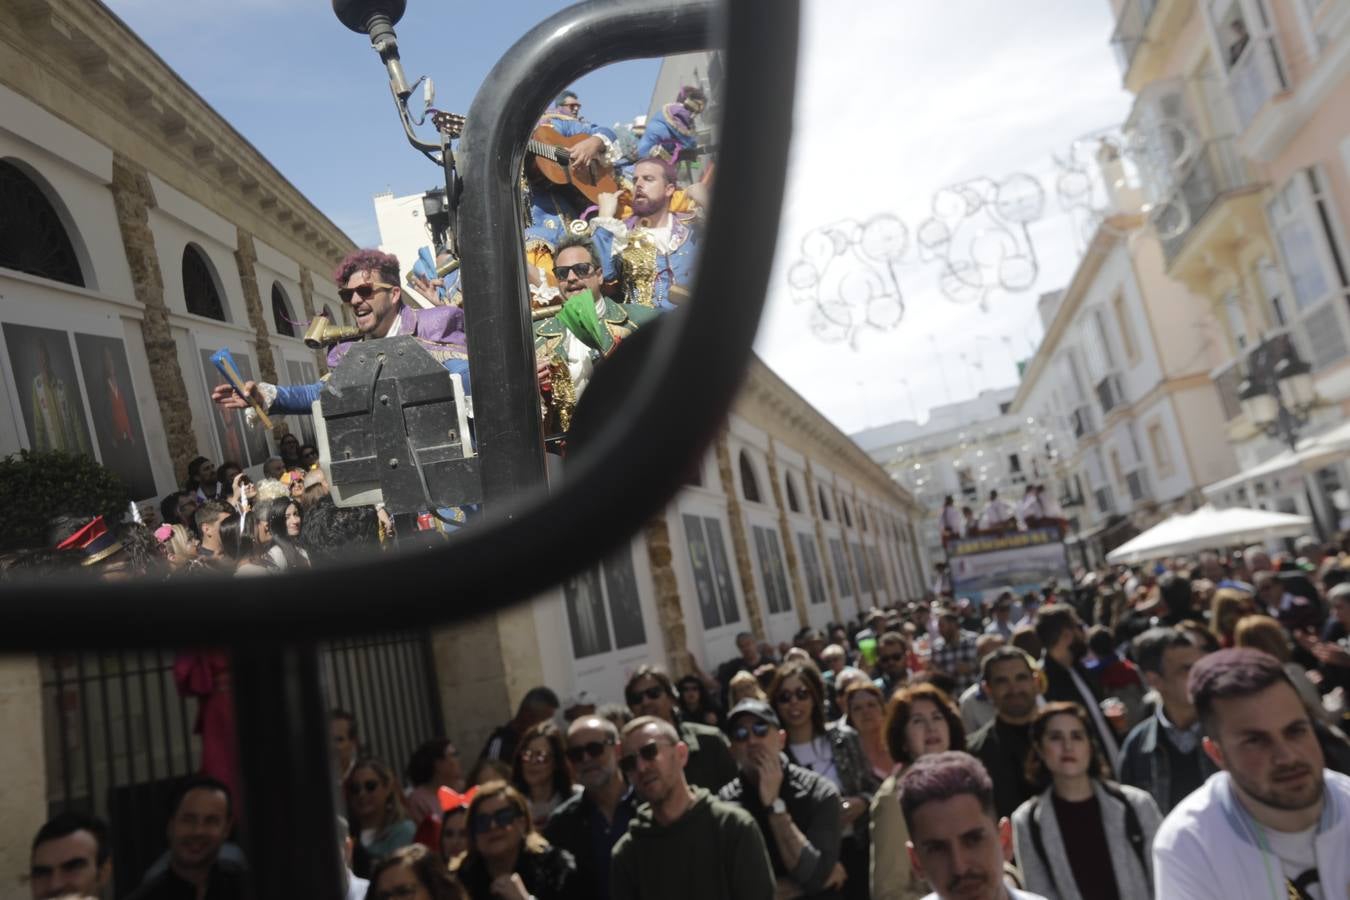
1164, 732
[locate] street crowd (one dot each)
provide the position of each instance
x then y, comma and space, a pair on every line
1160, 732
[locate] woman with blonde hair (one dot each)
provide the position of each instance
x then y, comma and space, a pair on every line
744, 686
379, 820
1228, 605
507, 858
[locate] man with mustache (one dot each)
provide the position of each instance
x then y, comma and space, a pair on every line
589, 824
1011, 680
956, 840
1274, 822
652, 252
368, 280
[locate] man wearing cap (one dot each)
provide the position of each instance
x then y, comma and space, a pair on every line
796, 810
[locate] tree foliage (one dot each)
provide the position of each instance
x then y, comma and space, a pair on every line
37, 486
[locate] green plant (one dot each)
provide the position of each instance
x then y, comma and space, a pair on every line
36, 486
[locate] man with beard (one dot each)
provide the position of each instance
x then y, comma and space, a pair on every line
589, 824
1274, 822
566, 356
652, 252
957, 842
682, 842
796, 810
199, 823
1065, 644
1011, 680
368, 280
650, 692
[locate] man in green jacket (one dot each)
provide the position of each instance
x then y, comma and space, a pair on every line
682, 843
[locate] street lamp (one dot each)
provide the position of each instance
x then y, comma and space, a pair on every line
1278, 397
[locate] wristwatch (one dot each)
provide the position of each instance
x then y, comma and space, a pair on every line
778, 807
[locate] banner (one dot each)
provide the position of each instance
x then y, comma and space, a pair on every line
1019, 561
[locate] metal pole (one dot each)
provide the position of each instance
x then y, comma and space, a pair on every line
282, 723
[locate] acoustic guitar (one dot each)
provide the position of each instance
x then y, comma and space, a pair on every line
551, 160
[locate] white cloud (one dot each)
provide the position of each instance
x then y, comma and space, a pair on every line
893, 105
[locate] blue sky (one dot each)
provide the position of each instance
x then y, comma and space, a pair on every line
312, 96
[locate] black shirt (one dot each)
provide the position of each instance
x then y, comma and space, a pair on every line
579, 827
1184, 774
222, 884
1003, 749
1080, 824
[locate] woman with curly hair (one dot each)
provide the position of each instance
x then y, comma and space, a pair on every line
832, 751
507, 858
414, 873
540, 771
920, 720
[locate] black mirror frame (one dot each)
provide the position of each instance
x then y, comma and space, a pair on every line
677, 404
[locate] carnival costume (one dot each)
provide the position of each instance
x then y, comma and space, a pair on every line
654, 265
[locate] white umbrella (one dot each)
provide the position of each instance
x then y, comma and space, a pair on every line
1207, 528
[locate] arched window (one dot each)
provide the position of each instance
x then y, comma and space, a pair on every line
848, 517
281, 311
199, 285
793, 503
32, 236
749, 484
824, 504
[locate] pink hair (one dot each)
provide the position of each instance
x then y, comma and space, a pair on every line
367, 260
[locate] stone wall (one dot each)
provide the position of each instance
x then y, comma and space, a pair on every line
23, 802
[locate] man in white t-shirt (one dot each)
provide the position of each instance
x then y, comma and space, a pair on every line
1274, 823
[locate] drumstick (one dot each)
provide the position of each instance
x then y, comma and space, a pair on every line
224, 363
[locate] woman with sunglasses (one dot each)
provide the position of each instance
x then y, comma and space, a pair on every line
376, 812
413, 873
833, 751
919, 720
507, 858
1082, 837
540, 771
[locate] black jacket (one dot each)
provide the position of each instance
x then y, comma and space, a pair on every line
1005, 764
548, 875
570, 828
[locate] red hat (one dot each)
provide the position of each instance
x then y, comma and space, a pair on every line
94, 542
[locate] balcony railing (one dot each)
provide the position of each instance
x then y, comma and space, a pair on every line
1109, 394
1226, 381
1130, 29
1215, 171
1255, 78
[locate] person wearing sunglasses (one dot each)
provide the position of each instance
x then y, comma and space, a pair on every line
562, 354
683, 842
796, 810
507, 858
589, 824
377, 814
835, 752
650, 692
540, 771
413, 873
368, 282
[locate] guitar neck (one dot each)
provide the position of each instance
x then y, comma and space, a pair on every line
539, 148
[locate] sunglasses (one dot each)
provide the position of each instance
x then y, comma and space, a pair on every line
502, 818
364, 291
593, 749
536, 756
649, 752
582, 269
800, 693
572, 106
655, 692
741, 733
369, 787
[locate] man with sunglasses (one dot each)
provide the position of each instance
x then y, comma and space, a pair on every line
650, 692
368, 281
892, 654
797, 810
589, 824
683, 842
562, 354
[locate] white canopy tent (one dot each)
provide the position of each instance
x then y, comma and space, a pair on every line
1207, 528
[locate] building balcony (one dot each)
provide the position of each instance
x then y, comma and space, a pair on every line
1109, 393
1255, 79
1143, 37
1226, 379
1136, 483
1083, 423
1213, 207
1104, 500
